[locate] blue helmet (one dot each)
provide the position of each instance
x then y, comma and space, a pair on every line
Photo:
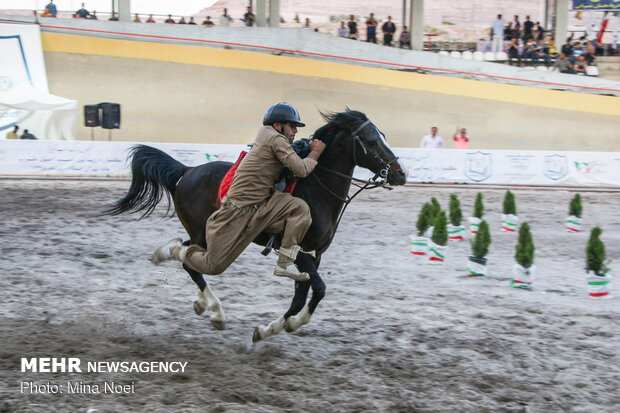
282, 112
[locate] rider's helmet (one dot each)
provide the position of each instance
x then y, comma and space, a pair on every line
282, 112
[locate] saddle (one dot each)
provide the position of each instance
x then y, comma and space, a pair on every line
286, 183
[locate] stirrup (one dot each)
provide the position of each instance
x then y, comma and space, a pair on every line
269, 245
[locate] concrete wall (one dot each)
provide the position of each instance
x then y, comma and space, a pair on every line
200, 94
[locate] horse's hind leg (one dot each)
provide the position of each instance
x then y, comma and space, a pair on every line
207, 300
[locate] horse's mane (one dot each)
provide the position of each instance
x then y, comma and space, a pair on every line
349, 119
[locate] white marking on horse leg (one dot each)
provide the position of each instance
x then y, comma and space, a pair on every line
296, 321
272, 329
208, 300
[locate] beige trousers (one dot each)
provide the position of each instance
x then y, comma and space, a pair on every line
231, 229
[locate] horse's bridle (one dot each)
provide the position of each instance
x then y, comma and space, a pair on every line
383, 173
368, 184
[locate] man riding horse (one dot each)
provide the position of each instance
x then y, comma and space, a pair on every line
252, 205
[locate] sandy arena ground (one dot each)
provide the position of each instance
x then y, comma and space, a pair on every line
393, 334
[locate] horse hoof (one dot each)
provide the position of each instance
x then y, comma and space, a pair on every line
218, 324
199, 308
288, 328
256, 335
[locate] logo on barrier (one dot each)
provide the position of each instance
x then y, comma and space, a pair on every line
478, 166
555, 166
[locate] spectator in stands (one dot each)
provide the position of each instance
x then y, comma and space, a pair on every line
81, 13
516, 27
388, 29
51, 9
433, 140
530, 51
513, 51
563, 64
590, 52
540, 32
150, 19
136, 18
249, 17
93, 16
405, 39
507, 32
553, 51
567, 49
528, 29
307, 24
28, 135
225, 18
191, 20
461, 139
169, 20
182, 20
208, 22
371, 29
498, 35
543, 53
578, 50
580, 65
13, 134
343, 31
352, 25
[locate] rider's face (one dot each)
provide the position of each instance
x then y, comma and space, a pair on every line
290, 129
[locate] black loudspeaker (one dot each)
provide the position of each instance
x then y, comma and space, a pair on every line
111, 115
91, 116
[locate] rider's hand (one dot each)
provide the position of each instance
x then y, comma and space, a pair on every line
317, 146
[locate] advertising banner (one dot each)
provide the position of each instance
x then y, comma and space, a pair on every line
498, 167
601, 5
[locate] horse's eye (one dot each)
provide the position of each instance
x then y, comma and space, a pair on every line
373, 142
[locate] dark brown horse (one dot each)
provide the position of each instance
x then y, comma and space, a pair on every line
351, 140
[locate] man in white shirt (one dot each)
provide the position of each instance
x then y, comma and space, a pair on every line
225, 18
432, 141
498, 35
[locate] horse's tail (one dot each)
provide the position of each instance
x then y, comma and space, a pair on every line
154, 174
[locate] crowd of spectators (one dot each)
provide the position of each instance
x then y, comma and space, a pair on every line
529, 43
347, 29
524, 42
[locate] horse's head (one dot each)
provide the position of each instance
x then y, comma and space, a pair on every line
365, 143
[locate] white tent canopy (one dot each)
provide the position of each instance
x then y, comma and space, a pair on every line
26, 97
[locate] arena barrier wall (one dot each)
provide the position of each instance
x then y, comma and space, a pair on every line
499, 167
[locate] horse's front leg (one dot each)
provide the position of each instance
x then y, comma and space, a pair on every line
303, 317
298, 312
275, 327
207, 300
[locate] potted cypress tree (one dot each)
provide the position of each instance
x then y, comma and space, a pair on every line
523, 271
509, 217
419, 242
573, 222
439, 240
435, 210
477, 265
598, 272
455, 229
474, 222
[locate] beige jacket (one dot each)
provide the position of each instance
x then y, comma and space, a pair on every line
254, 180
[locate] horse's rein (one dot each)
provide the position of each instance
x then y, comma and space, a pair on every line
368, 184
